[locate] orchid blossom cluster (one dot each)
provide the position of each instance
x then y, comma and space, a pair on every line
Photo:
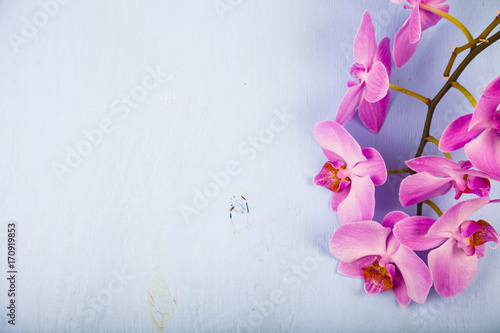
383, 254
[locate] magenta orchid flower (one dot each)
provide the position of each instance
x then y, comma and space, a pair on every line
369, 250
437, 175
483, 124
351, 173
408, 36
453, 264
372, 68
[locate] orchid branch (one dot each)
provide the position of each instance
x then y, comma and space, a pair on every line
490, 28
457, 51
436, 142
474, 51
396, 171
466, 93
447, 86
434, 207
482, 38
410, 93
450, 18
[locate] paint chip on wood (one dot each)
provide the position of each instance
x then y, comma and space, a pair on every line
162, 304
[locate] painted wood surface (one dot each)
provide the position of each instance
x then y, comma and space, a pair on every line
132, 130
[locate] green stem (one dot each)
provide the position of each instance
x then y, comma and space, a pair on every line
450, 18
410, 93
434, 206
474, 51
466, 93
447, 86
396, 171
435, 141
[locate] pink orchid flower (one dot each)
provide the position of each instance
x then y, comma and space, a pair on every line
408, 37
461, 242
372, 68
437, 175
369, 250
483, 124
351, 173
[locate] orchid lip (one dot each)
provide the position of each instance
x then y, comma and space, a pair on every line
378, 278
332, 177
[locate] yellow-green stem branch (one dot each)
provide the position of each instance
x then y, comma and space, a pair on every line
393, 172
490, 28
466, 93
450, 18
435, 141
457, 50
410, 93
434, 206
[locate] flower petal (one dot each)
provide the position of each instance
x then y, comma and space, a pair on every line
468, 228
484, 113
351, 83
364, 42
334, 158
415, 273
377, 83
457, 134
485, 234
484, 152
492, 89
372, 115
353, 241
456, 215
481, 251
415, 29
400, 290
394, 217
383, 54
422, 186
429, 19
451, 269
359, 205
338, 197
479, 186
355, 268
434, 165
333, 137
349, 104
374, 166
412, 232
403, 50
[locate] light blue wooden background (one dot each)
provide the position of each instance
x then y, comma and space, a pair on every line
118, 212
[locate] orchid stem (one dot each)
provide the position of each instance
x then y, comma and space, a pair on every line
490, 28
434, 206
474, 51
436, 142
471, 44
464, 91
410, 93
494, 201
396, 171
450, 18
457, 51
447, 86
